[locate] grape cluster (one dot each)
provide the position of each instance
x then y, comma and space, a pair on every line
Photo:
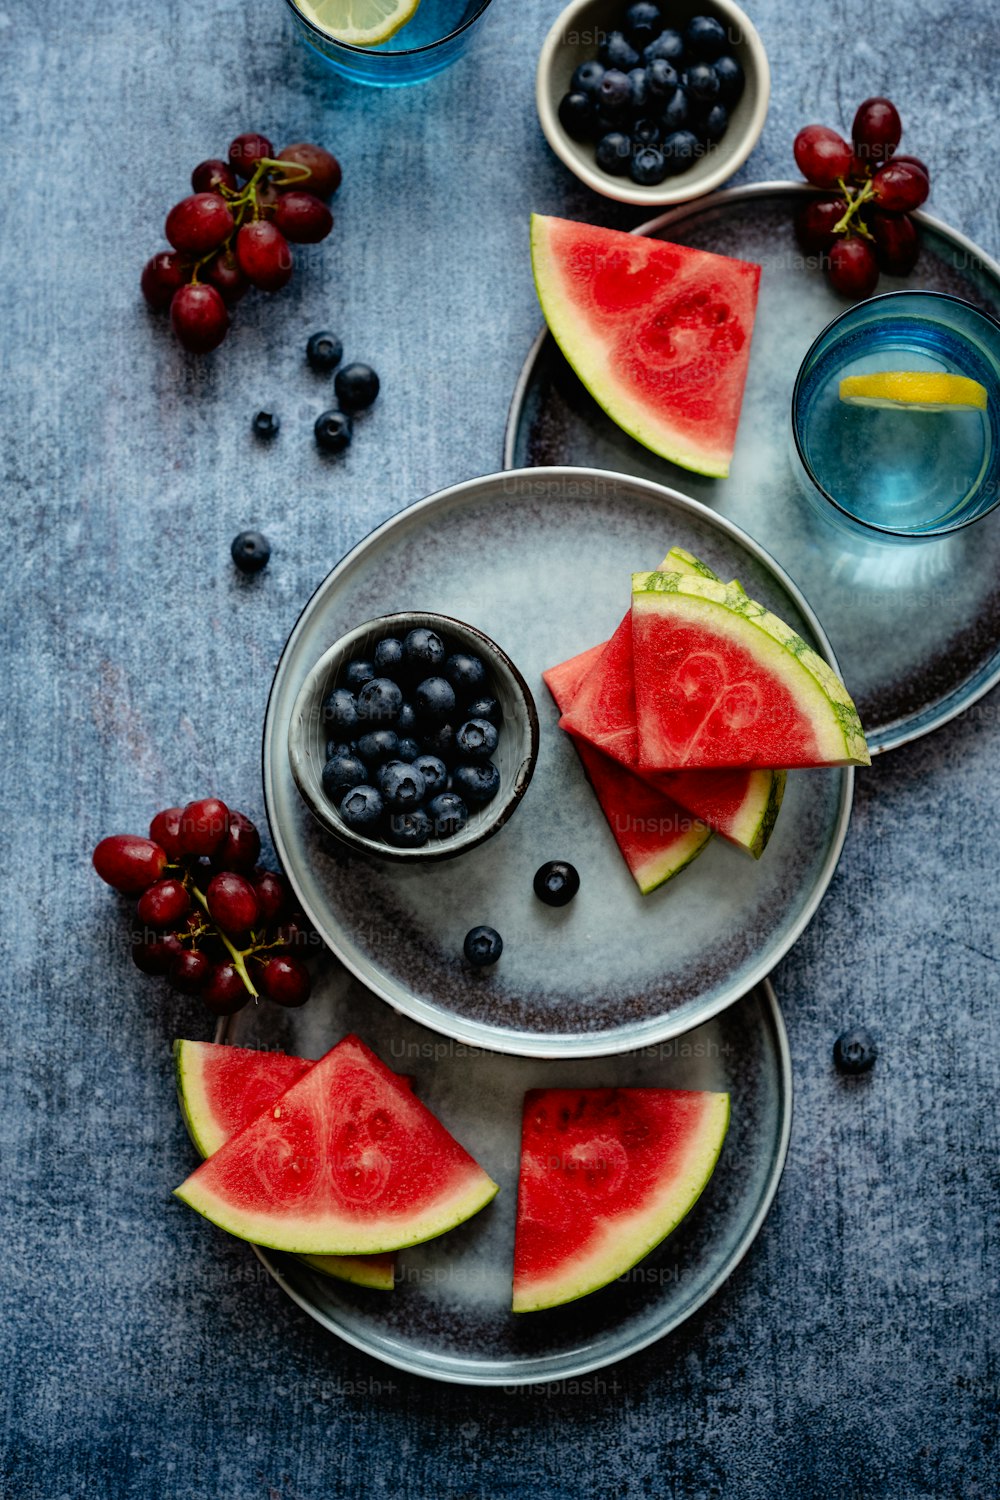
211, 920
863, 225
236, 230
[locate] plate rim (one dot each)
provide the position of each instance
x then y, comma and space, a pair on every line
897, 732
585, 1364
552, 1044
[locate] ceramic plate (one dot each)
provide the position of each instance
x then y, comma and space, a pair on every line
541, 561
449, 1316
916, 627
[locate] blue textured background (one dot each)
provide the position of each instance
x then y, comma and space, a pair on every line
855, 1351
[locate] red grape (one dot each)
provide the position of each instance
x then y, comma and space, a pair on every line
876, 130
161, 278
821, 155
209, 176
246, 151
897, 244
303, 218
129, 864
199, 224
225, 275
156, 954
224, 991
325, 174
203, 826
199, 318
268, 199
899, 187
264, 255
232, 902
853, 267
165, 830
164, 903
914, 161
814, 223
189, 971
286, 980
271, 895
240, 849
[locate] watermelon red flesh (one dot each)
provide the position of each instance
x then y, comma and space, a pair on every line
606, 1174
656, 837
346, 1162
221, 1089
658, 333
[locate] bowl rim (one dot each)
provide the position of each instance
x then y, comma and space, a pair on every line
659, 195
322, 810
389, 52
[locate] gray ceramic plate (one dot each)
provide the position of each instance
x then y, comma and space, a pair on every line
449, 1317
916, 628
541, 562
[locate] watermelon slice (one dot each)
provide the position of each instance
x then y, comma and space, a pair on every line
606, 1174
346, 1162
221, 1089
658, 333
720, 681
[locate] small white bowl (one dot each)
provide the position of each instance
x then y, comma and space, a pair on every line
576, 36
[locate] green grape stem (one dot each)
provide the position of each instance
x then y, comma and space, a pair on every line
855, 199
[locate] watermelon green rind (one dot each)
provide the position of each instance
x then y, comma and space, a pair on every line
376, 1272
821, 697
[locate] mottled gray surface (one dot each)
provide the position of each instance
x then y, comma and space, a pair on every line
854, 1353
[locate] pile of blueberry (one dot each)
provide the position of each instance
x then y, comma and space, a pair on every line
654, 100
411, 735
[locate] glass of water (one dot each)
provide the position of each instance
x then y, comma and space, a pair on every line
438, 33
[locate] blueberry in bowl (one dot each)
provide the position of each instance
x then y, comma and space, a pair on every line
413, 738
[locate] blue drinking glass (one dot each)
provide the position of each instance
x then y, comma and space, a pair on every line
438, 33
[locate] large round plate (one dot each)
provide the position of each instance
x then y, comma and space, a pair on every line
449, 1316
541, 562
916, 627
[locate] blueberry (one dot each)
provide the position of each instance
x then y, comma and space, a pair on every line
406, 719
434, 699
648, 166
482, 946
476, 785
586, 77
578, 116
615, 52
556, 882
614, 92
337, 747
679, 150
439, 741
676, 111
448, 814
358, 673
332, 430
340, 709
389, 656
250, 551
703, 83
731, 80
477, 739
465, 672
423, 648
340, 773
409, 750
408, 830
613, 153
379, 701
714, 122
434, 771
639, 85
854, 1051
669, 45
402, 786
378, 745
485, 708
356, 386
324, 352
362, 809
642, 23
646, 132
265, 425
705, 37
662, 78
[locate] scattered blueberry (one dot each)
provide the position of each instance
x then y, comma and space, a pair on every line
705, 37
333, 430
448, 814
378, 745
586, 77
556, 883
676, 111
482, 946
679, 150
358, 673
465, 672
265, 425
402, 786
389, 656
854, 1051
324, 352
648, 166
669, 45
614, 151
434, 699
423, 648
362, 809
379, 701
434, 771
409, 749
703, 83
250, 551
476, 785
615, 52
731, 80
662, 78
340, 709
646, 132
477, 739
643, 22
578, 116
356, 387
485, 708
408, 830
713, 124
340, 773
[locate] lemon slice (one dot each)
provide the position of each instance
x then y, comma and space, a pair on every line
915, 390
363, 23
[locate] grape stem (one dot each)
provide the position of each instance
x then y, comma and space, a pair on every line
854, 202
237, 957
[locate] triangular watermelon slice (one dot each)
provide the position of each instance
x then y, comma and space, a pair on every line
346, 1162
658, 333
720, 681
221, 1089
606, 1174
